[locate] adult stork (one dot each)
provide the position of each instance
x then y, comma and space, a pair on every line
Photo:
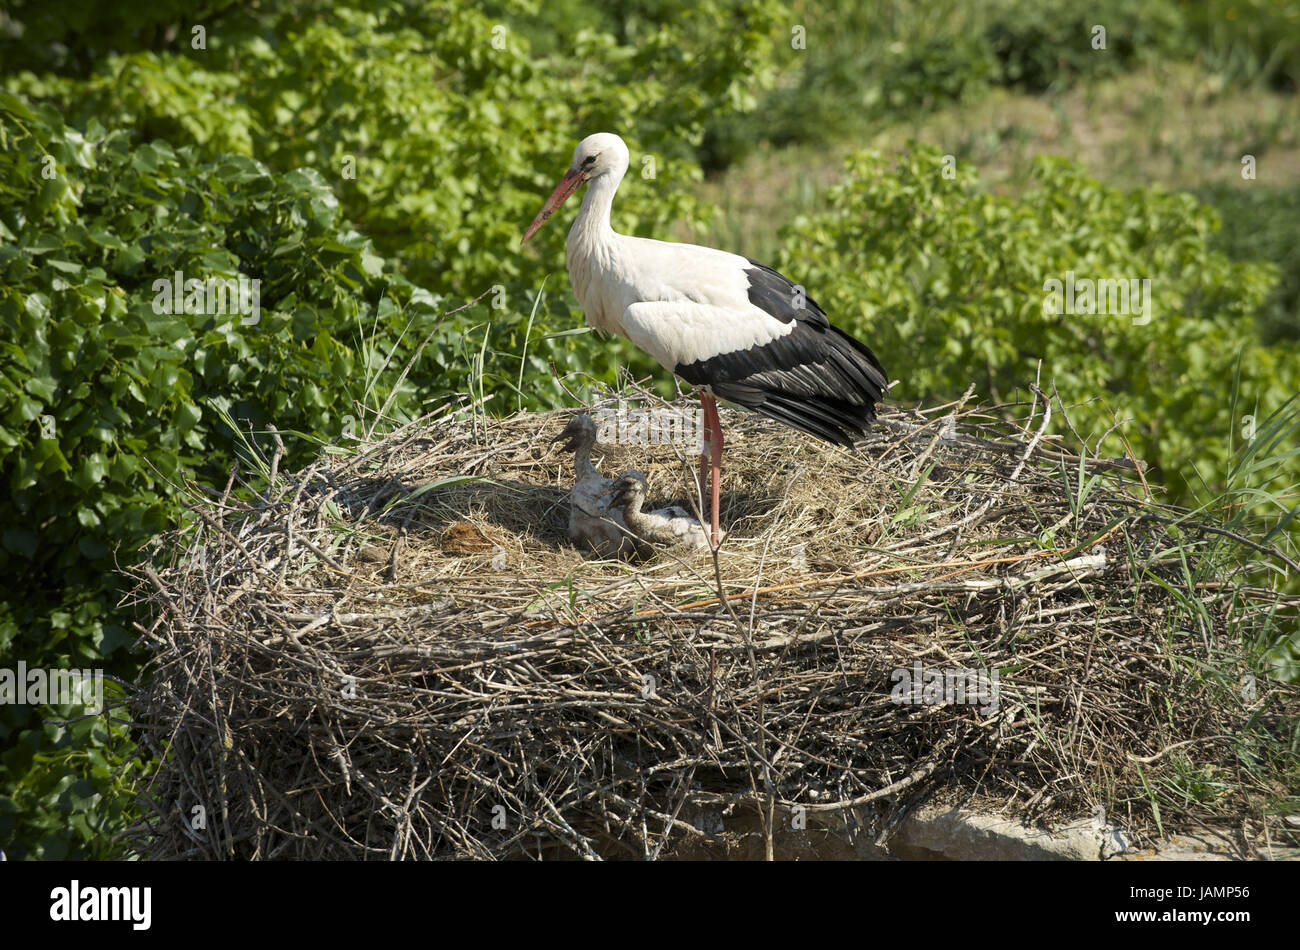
731, 327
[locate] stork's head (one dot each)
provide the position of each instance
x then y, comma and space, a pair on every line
601, 154
631, 486
597, 155
580, 431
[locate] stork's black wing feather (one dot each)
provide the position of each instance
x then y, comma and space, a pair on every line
816, 378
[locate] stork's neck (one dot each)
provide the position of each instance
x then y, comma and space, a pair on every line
582, 460
632, 515
591, 229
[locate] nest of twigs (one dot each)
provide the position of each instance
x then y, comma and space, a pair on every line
396, 652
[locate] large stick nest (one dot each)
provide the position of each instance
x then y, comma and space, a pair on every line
377, 657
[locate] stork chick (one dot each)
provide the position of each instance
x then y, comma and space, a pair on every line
666, 526
593, 528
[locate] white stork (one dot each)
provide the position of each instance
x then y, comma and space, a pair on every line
671, 526
592, 526
731, 327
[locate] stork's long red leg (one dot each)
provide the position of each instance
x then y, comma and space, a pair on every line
716, 443
704, 460
713, 433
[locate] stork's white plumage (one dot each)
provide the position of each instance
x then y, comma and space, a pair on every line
727, 325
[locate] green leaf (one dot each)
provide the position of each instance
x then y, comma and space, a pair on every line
21, 541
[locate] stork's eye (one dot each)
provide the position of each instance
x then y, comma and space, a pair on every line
589, 160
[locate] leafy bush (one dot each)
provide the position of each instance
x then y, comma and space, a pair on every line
107, 404
432, 123
1040, 45
858, 61
1248, 40
107, 398
878, 60
947, 284
1263, 223
71, 37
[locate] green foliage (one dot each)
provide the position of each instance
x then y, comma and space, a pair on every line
1040, 45
70, 37
858, 62
1263, 223
871, 61
109, 400
440, 135
69, 782
432, 123
1045, 44
949, 285
1247, 40
108, 395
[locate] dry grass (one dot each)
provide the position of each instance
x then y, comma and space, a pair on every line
374, 658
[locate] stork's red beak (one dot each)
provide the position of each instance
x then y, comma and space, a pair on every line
567, 186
